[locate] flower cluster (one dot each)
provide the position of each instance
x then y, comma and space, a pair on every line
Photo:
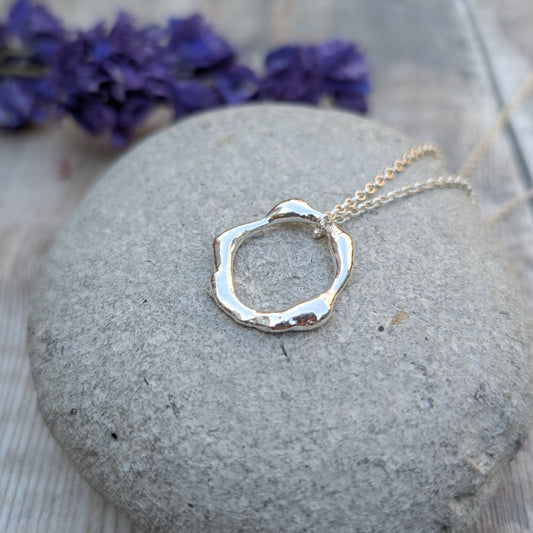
29, 42
305, 73
110, 78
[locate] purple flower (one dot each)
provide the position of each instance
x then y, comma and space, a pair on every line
38, 30
344, 74
292, 73
305, 73
29, 42
193, 46
110, 80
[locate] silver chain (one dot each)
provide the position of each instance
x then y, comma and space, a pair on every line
360, 203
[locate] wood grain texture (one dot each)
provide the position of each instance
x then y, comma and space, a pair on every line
440, 72
507, 48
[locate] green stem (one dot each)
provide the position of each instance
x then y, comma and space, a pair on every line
14, 63
13, 71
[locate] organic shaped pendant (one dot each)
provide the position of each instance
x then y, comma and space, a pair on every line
305, 315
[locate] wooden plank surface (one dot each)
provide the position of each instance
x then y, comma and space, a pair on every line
440, 72
507, 47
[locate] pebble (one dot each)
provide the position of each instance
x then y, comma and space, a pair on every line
397, 415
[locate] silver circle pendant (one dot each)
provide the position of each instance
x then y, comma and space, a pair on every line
306, 315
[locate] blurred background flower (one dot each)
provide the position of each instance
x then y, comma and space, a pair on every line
29, 41
109, 79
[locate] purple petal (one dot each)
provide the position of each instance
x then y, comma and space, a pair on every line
353, 102
43, 22
341, 61
18, 17
40, 32
345, 74
236, 84
347, 87
99, 51
93, 115
24, 101
194, 46
193, 96
20, 97
129, 116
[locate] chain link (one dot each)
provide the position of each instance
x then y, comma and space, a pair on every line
410, 190
360, 203
342, 212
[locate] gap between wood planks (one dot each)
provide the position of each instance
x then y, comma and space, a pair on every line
494, 81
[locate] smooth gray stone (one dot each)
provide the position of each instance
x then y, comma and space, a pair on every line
397, 415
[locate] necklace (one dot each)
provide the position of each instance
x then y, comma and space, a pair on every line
314, 312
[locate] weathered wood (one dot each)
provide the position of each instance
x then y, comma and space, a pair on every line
507, 47
440, 72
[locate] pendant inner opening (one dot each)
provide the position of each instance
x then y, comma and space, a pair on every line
281, 266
